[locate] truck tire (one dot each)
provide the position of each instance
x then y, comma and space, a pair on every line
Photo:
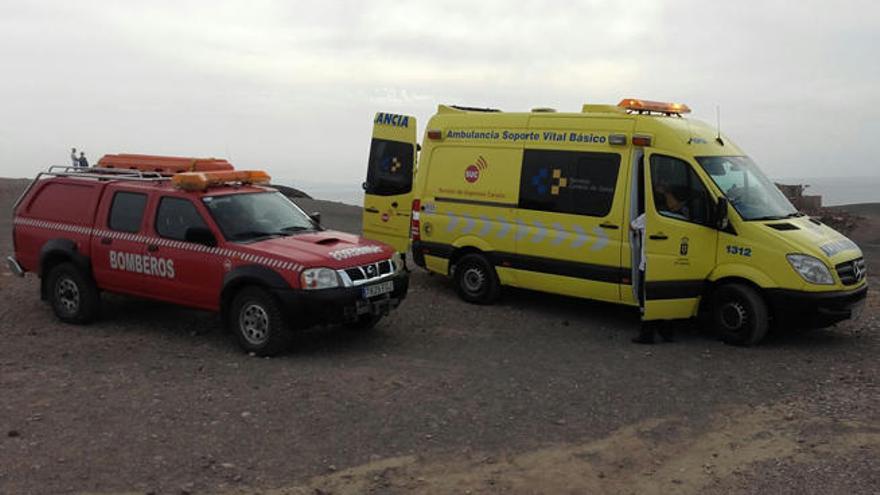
73, 294
256, 320
476, 280
740, 314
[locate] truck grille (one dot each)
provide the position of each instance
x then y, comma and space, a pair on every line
365, 273
851, 272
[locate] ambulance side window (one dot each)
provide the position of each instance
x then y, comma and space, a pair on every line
127, 211
578, 183
678, 191
390, 170
174, 216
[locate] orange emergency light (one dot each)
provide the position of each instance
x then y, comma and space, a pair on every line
653, 106
199, 181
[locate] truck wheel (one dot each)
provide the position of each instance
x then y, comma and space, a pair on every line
72, 294
740, 314
258, 323
476, 280
364, 322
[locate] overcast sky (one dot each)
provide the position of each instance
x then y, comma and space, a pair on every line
291, 86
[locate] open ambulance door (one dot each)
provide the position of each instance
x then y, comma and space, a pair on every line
680, 238
390, 173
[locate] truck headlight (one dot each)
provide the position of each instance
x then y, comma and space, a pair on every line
319, 278
811, 269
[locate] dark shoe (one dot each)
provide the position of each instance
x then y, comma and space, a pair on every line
667, 334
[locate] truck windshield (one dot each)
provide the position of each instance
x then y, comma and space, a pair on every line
251, 216
752, 194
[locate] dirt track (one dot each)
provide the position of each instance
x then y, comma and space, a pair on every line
538, 394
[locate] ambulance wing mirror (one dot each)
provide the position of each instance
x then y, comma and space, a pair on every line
720, 214
200, 235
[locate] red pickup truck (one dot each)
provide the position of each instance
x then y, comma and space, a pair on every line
212, 239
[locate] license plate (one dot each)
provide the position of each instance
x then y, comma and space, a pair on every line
378, 289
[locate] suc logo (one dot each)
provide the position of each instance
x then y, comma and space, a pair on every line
472, 172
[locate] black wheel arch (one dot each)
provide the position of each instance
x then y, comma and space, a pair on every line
461, 252
245, 276
56, 251
711, 287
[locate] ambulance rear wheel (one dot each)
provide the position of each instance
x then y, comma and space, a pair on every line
73, 295
258, 323
740, 314
476, 280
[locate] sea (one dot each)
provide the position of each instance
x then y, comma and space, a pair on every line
834, 190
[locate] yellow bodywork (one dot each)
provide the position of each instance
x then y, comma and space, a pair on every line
469, 182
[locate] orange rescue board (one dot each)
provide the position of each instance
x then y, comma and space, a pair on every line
167, 165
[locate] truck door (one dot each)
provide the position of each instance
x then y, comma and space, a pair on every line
189, 276
390, 172
118, 241
680, 239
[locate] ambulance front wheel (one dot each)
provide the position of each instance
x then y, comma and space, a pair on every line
740, 314
476, 280
258, 322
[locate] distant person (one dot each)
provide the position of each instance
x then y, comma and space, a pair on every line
83, 161
73, 157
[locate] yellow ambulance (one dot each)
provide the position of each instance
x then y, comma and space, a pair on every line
547, 200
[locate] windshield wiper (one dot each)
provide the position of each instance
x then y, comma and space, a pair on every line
297, 228
794, 215
768, 217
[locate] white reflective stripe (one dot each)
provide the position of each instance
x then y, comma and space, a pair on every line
601, 239
580, 237
487, 226
522, 230
468, 225
561, 234
541, 232
504, 229
453, 221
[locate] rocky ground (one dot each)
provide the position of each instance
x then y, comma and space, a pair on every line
538, 394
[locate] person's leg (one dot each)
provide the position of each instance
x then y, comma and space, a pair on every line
646, 331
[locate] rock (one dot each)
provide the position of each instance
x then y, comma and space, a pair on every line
13, 434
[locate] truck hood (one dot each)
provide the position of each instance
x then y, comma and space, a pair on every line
328, 248
817, 239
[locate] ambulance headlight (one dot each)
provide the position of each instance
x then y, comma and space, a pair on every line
811, 269
319, 278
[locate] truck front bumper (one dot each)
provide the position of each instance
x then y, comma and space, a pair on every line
816, 309
306, 308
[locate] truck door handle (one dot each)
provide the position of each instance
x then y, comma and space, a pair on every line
371, 209
658, 237
106, 240
609, 226
152, 248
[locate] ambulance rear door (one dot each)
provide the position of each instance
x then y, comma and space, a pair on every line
390, 172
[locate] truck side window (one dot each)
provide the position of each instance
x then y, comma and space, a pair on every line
127, 211
579, 183
678, 191
175, 215
390, 170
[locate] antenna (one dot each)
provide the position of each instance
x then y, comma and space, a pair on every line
718, 122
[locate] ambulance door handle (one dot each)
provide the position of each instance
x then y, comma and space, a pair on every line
609, 226
106, 240
394, 204
658, 237
152, 248
370, 209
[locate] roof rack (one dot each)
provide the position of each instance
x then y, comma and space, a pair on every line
92, 173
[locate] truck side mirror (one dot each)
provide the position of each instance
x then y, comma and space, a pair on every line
316, 217
200, 235
720, 215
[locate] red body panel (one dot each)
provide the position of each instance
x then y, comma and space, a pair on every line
143, 263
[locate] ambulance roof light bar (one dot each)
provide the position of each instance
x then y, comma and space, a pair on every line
648, 106
200, 181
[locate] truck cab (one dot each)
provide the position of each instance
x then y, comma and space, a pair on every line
216, 239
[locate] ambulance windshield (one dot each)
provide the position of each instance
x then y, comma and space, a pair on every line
253, 216
752, 194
